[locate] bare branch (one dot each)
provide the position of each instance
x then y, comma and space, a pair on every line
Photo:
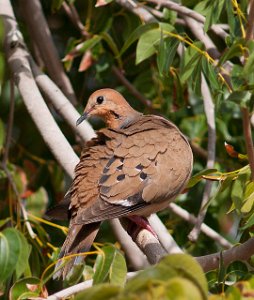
40, 33
185, 11
138, 10
250, 27
245, 110
164, 236
184, 214
248, 139
61, 104
19, 65
211, 147
135, 256
146, 241
131, 88
242, 252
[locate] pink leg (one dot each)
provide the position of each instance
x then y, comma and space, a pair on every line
143, 223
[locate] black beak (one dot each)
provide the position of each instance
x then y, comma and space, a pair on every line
82, 118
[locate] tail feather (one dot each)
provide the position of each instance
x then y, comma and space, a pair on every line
78, 240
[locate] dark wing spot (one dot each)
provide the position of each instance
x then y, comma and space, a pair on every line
105, 170
139, 167
143, 175
110, 162
120, 167
105, 189
103, 178
120, 177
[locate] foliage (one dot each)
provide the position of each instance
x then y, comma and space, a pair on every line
167, 64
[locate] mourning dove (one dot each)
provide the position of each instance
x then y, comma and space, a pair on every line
134, 167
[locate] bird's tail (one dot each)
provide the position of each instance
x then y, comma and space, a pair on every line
78, 240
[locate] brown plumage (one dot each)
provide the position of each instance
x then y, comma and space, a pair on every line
135, 167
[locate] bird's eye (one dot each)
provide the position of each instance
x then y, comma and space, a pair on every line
99, 99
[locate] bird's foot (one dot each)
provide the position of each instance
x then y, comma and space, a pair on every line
139, 224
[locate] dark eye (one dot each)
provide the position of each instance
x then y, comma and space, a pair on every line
99, 99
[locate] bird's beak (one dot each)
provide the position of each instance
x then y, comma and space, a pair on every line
82, 118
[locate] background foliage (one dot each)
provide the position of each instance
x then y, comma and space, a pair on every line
168, 64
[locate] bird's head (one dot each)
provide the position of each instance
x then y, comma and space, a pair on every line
109, 105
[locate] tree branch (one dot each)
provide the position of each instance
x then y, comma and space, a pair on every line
185, 11
40, 33
211, 147
184, 214
242, 252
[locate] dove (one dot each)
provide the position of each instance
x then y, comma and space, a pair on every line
135, 166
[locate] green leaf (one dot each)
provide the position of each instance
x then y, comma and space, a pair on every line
249, 65
187, 267
56, 4
189, 67
146, 46
88, 44
181, 288
108, 39
118, 270
110, 266
174, 266
7, 264
20, 289
99, 292
197, 177
240, 97
148, 42
37, 203
237, 193
136, 34
18, 252
214, 11
248, 197
166, 54
210, 74
234, 51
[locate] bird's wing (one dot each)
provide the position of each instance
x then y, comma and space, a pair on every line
145, 163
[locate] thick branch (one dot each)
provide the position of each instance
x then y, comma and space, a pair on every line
242, 252
21, 72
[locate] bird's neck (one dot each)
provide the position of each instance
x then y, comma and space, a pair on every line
121, 119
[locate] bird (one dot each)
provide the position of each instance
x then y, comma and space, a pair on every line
135, 166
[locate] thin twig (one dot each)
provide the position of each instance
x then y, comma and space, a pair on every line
131, 88
184, 214
248, 139
23, 210
245, 110
72, 13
